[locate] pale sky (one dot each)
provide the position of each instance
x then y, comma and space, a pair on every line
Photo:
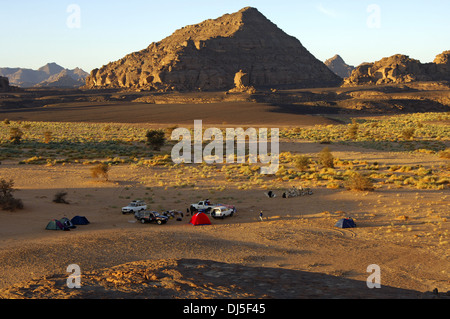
89, 34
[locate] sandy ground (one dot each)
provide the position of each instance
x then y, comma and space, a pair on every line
250, 113
296, 252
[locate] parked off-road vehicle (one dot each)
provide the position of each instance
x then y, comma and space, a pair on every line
134, 207
151, 217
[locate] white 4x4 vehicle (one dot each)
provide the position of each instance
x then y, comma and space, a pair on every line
134, 207
204, 205
207, 207
221, 212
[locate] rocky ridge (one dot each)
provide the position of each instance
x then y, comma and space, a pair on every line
207, 56
401, 69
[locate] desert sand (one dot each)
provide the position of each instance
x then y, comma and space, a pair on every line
239, 70
297, 243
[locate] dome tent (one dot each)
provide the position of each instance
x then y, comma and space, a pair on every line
200, 219
56, 225
79, 220
345, 223
67, 223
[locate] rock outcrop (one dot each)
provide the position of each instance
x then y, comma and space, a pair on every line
208, 55
4, 84
401, 69
339, 67
242, 83
442, 62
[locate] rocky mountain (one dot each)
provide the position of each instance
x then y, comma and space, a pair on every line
339, 67
50, 75
207, 56
401, 69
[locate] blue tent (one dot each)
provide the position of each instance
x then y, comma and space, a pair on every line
345, 223
79, 220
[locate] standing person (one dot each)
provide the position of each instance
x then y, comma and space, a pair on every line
261, 216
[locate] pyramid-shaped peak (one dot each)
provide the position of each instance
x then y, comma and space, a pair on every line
208, 55
51, 68
248, 9
251, 11
250, 14
336, 58
249, 19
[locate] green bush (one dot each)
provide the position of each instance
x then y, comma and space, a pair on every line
15, 135
156, 139
359, 182
302, 162
100, 170
326, 159
408, 133
60, 198
7, 200
353, 130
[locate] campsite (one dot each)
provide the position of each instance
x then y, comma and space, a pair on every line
396, 223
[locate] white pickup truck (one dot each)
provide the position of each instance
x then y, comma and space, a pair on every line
221, 212
207, 207
204, 205
134, 207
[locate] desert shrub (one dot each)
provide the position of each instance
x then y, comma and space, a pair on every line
359, 182
156, 139
326, 159
353, 130
15, 135
408, 133
100, 170
445, 153
47, 136
7, 200
302, 162
60, 198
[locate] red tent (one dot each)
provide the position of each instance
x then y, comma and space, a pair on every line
200, 219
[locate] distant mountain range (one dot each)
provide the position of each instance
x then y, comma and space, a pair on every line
50, 75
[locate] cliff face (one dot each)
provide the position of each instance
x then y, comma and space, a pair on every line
401, 69
207, 56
